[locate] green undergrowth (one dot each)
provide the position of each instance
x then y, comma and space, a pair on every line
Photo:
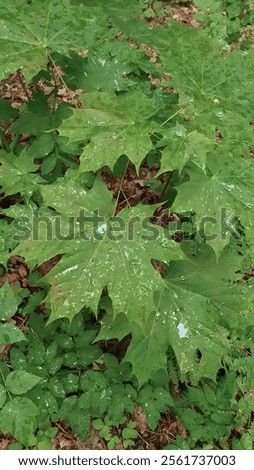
58, 372
147, 299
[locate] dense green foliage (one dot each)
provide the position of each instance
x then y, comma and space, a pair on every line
178, 295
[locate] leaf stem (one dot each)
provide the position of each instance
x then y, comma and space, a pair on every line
20, 79
170, 117
166, 185
120, 189
5, 142
8, 393
58, 74
14, 143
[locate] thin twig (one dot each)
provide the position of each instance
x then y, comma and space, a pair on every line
166, 185
141, 437
59, 75
20, 79
170, 117
120, 189
126, 199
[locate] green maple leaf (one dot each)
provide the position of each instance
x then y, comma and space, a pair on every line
105, 69
6, 240
116, 253
195, 312
8, 302
29, 31
147, 351
17, 174
115, 126
220, 197
7, 111
38, 119
198, 69
148, 346
181, 146
210, 85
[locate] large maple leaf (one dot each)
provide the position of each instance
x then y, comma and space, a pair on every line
111, 252
200, 72
215, 93
104, 69
216, 96
28, 30
197, 308
114, 125
200, 306
17, 174
220, 197
182, 146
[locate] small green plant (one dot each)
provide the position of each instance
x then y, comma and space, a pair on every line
219, 416
104, 426
129, 434
154, 401
224, 19
56, 373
